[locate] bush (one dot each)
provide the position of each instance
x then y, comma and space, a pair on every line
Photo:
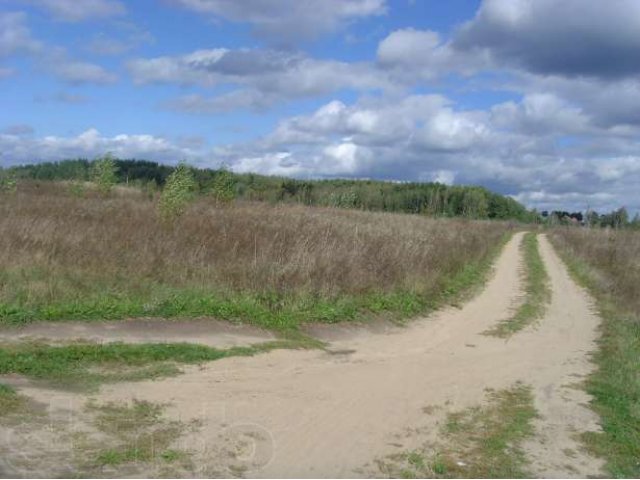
8, 182
223, 187
177, 193
105, 173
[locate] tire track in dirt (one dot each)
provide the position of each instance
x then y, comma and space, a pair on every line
317, 414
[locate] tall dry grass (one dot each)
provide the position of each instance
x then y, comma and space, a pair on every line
614, 256
57, 246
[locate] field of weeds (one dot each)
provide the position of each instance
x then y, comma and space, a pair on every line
65, 255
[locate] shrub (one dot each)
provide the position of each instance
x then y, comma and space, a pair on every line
8, 182
177, 193
223, 186
105, 173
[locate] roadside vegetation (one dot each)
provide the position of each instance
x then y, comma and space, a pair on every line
93, 257
10, 401
479, 442
537, 291
607, 262
87, 365
137, 433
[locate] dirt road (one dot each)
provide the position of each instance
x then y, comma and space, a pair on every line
332, 414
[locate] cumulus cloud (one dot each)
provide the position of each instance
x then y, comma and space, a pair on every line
18, 148
77, 72
262, 76
15, 36
541, 114
285, 21
569, 38
76, 11
573, 39
415, 55
417, 136
612, 103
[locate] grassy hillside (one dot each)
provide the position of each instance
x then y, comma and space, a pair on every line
428, 198
66, 256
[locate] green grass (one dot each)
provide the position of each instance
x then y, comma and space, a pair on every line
479, 442
615, 385
537, 291
136, 432
283, 313
86, 365
10, 401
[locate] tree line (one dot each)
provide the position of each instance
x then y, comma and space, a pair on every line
617, 218
434, 199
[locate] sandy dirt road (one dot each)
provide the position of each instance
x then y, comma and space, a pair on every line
332, 414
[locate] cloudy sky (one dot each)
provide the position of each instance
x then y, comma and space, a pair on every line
538, 99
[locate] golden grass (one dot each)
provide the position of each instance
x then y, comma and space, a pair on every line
56, 245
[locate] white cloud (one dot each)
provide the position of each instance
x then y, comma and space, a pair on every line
570, 38
15, 36
416, 55
78, 72
541, 113
263, 77
276, 163
285, 21
609, 103
443, 176
91, 143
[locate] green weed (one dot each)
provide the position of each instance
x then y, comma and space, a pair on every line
10, 401
137, 432
479, 442
86, 365
537, 292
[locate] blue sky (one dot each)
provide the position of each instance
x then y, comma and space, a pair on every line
537, 99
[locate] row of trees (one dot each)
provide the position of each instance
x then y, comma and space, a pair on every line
425, 198
432, 199
618, 218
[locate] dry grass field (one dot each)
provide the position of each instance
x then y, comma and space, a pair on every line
500, 409
64, 255
614, 254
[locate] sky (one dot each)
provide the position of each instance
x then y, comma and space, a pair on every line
537, 99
